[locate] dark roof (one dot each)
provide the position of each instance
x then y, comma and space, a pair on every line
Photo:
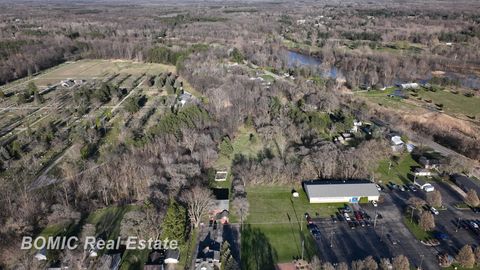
156, 257
220, 193
465, 182
172, 254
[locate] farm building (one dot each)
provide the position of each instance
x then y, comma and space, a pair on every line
331, 191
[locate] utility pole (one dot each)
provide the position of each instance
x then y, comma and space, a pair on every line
303, 247
381, 237
411, 216
421, 261
331, 238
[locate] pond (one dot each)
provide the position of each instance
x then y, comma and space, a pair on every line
296, 59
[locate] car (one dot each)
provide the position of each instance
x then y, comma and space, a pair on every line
412, 188
476, 209
402, 188
434, 210
378, 187
473, 225
393, 240
441, 236
347, 209
347, 217
358, 215
339, 217
374, 203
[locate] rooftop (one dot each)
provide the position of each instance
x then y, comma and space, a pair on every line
340, 188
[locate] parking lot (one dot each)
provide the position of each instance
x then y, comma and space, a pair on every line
339, 241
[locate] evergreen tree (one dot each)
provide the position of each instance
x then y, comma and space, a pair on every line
174, 223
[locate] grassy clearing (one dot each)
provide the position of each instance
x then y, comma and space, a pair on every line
398, 172
242, 144
266, 245
274, 204
453, 103
274, 225
108, 219
416, 230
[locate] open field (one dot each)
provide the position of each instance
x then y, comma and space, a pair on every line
242, 144
398, 171
453, 104
93, 69
278, 220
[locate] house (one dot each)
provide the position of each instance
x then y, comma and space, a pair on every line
172, 256
424, 185
222, 216
208, 252
465, 183
221, 205
333, 191
67, 83
406, 86
185, 98
221, 175
204, 266
422, 172
41, 255
78, 82
347, 136
155, 261
356, 125
429, 163
396, 140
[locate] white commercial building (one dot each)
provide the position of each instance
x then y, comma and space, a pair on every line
352, 191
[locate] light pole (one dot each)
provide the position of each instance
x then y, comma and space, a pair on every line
421, 261
331, 238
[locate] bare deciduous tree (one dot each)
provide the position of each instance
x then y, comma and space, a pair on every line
466, 257
427, 222
401, 263
472, 198
199, 201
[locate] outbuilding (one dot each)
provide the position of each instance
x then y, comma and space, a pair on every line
335, 191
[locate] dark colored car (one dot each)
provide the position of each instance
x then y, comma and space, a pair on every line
440, 236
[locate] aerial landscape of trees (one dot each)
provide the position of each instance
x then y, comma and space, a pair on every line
148, 141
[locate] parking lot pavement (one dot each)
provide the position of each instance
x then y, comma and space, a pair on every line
339, 243
446, 221
390, 237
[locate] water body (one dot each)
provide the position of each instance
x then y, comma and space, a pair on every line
296, 59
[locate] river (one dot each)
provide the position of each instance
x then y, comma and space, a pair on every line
296, 59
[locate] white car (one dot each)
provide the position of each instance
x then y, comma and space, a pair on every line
347, 217
434, 211
374, 203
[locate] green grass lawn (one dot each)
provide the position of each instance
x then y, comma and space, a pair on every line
416, 230
277, 224
453, 103
242, 144
398, 172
